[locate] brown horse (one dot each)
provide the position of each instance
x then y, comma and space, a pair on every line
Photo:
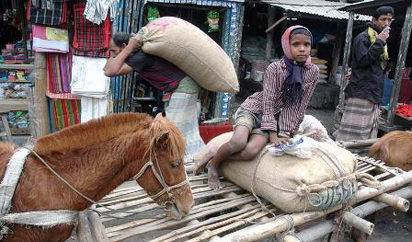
95, 158
395, 149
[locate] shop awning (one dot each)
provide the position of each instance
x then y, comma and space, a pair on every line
315, 8
222, 3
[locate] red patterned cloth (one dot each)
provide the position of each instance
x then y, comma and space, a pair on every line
90, 39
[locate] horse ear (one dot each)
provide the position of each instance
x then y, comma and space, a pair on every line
160, 130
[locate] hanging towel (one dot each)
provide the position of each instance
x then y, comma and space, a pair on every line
93, 108
65, 113
59, 72
50, 39
88, 78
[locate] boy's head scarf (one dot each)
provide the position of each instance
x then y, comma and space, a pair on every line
293, 84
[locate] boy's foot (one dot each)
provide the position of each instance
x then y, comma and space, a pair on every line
213, 179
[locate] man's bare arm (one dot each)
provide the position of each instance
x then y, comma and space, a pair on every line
115, 66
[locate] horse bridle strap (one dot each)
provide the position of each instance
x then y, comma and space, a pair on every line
159, 177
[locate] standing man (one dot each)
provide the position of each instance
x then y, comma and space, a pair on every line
365, 89
180, 91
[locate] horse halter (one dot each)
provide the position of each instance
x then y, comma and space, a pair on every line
159, 176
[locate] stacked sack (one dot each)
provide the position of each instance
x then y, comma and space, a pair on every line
323, 69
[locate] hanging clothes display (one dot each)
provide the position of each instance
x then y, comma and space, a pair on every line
64, 113
96, 10
93, 108
90, 39
59, 67
47, 12
50, 39
88, 78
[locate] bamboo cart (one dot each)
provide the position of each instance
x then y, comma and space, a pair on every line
232, 214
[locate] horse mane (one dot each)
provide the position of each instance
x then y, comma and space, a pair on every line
95, 131
165, 134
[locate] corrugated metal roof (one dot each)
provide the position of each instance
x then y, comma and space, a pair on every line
220, 3
318, 8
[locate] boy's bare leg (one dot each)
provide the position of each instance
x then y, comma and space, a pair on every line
256, 143
237, 143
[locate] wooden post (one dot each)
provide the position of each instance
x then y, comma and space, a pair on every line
346, 55
337, 51
97, 227
39, 118
269, 35
84, 233
403, 51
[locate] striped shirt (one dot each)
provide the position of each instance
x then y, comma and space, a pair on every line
269, 101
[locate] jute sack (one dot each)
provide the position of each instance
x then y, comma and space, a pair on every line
293, 184
193, 51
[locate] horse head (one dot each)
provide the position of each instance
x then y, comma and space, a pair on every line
166, 183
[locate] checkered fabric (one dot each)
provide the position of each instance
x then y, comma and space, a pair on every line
47, 12
89, 37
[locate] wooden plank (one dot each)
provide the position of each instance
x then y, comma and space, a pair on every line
17, 66
14, 104
400, 64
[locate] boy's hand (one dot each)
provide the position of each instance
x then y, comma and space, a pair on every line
274, 139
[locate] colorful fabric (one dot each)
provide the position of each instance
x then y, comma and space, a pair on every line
47, 12
89, 37
269, 102
359, 120
50, 39
59, 76
65, 113
187, 124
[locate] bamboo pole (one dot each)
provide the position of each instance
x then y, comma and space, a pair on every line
346, 55
321, 229
359, 223
396, 202
97, 227
358, 143
280, 225
276, 24
291, 238
269, 35
84, 232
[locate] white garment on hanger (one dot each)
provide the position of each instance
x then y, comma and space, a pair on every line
93, 108
96, 10
88, 77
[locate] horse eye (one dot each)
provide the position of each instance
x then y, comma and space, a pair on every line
175, 164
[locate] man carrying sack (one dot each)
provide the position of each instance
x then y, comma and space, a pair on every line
365, 89
180, 91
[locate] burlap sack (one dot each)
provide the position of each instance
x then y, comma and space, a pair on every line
293, 184
193, 51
